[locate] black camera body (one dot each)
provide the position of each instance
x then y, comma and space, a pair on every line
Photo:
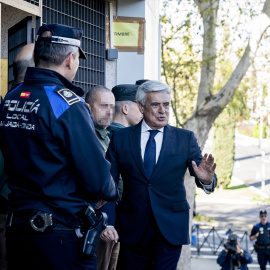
232, 245
94, 222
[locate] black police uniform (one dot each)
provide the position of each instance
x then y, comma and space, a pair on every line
55, 164
262, 244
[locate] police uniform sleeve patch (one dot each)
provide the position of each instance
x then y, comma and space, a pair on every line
68, 96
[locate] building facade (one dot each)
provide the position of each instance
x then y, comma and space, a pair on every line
106, 63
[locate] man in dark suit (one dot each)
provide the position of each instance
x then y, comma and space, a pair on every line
152, 218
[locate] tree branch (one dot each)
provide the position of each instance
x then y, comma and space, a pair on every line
259, 26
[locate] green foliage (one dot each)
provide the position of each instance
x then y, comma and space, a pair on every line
180, 67
181, 57
202, 218
256, 131
237, 187
182, 39
259, 198
223, 146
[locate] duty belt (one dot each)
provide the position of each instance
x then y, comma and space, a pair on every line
35, 219
262, 246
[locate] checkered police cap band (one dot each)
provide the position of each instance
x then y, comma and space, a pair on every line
62, 34
61, 40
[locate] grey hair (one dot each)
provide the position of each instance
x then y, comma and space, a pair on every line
151, 86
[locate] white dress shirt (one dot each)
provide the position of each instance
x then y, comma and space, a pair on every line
159, 139
145, 136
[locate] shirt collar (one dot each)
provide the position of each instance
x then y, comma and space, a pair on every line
103, 133
145, 127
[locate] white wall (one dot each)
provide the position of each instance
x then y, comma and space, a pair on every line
152, 41
131, 8
130, 65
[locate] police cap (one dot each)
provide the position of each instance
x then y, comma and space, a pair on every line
62, 34
125, 92
263, 212
139, 82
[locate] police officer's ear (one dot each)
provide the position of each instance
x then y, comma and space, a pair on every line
69, 60
125, 109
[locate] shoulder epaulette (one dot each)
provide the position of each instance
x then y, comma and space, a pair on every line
68, 96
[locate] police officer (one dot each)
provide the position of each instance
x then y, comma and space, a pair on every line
261, 232
54, 161
127, 111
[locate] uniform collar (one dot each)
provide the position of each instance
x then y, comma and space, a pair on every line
34, 74
115, 125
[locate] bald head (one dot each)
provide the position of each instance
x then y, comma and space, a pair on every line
23, 60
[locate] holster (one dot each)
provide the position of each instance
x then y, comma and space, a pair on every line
91, 232
255, 247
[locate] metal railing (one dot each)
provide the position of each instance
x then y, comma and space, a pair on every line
212, 239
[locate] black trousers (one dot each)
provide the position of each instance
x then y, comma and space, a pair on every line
263, 256
57, 248
152, 252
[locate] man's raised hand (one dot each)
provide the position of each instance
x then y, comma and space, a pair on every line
206, 170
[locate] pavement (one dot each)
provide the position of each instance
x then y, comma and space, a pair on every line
199, 263
239, 206
233, 208
204, 264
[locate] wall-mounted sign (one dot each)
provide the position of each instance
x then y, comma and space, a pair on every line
128, 34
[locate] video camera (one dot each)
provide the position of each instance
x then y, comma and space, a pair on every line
94, 222
231, 243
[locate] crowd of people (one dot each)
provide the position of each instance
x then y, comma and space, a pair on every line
92, 179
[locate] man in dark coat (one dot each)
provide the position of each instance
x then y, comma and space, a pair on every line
152, 218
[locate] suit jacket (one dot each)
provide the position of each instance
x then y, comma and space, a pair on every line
164, 192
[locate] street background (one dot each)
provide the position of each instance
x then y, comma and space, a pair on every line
237, 207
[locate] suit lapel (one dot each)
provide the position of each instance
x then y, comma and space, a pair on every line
167, 146
135, 146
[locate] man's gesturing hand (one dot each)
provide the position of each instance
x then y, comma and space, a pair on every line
206, 170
